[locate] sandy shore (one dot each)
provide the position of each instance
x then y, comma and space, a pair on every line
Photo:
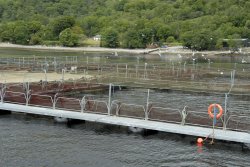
170, 50
173, 49
24, 76
77, 49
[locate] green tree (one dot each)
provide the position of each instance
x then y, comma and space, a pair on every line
170, 39
21, 33
139, 22
68, 38
131, 40
110, 38
35, 40
7, 32
61, 23
90, 25
203, 40
234, 42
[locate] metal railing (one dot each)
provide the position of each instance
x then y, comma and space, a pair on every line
150, 111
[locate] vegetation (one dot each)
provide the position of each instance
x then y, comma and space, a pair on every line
197, 24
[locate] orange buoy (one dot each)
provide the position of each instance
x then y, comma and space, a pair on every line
210, 110
199, 140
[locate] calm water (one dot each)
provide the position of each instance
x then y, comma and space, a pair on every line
27, 141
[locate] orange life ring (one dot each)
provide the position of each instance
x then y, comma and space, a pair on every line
210, 110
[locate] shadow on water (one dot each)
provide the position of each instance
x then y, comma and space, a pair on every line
46, 143
105, 129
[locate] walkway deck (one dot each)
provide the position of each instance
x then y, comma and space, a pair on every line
227, 135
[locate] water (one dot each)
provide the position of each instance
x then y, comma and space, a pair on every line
239, 61
195, 101
27, 141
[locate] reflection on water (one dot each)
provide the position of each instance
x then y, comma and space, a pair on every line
123, 57
27, 141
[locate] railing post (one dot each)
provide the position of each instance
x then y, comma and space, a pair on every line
126, 70
109, 103
145, 70
27, 94
27, 97
82, 103
55, 100
146, 112
183, 116
63, 72
1, 95
2, 92
55, 64
225, 113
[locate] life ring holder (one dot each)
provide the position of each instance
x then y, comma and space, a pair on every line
211, 113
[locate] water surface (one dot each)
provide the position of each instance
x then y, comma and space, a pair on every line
27, 141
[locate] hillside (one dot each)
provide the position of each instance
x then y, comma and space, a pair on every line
197, 24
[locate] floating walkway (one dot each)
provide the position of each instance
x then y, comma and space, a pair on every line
226, 135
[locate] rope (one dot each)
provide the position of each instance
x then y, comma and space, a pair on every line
214, 122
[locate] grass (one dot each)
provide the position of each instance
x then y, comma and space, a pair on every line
89, 42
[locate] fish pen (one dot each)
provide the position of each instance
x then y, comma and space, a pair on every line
184, 108
177, 89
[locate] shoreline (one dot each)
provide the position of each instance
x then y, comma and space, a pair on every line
172, 49
10, 76
75, 49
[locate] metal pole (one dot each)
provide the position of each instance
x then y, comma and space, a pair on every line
2, 92
87, 63
126, 71
19, 63
117, 70
109, 103
184, 68
27, 92
55, 64
63, 71
82, 103
233, 76
225, 113
173, 68
146, 112
55, 100
136, 71
209, 64
45, 74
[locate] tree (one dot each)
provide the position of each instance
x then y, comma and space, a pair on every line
202, 40
61, 23
16, 32
34, 27
7, 32
35, 40
110, 38
139, 22
21, 33
170, 39
234, 42
131, 40
68, 38
90, 25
